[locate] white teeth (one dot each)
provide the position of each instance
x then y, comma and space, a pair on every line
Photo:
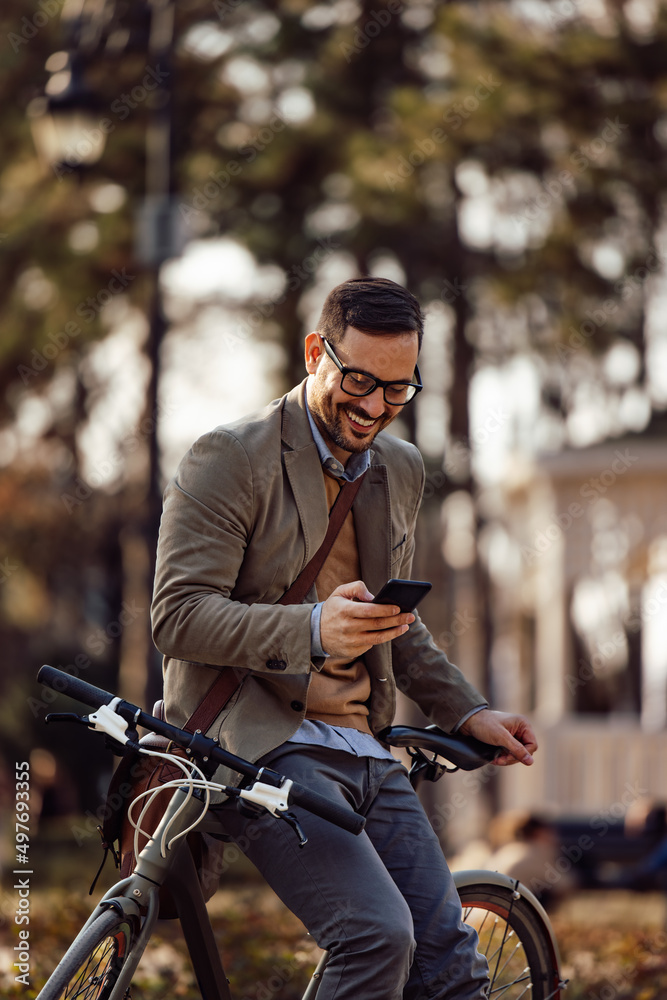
361, 420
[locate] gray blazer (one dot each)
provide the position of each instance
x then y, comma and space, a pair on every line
244, 514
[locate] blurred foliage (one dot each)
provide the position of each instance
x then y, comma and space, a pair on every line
411, 119
494, 158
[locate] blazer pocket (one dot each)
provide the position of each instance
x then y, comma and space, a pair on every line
399, 545
398, 552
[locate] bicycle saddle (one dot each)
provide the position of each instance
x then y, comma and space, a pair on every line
465, 752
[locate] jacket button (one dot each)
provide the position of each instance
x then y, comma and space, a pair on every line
276, 665
297, 706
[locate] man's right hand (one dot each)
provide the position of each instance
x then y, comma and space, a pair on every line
350, 624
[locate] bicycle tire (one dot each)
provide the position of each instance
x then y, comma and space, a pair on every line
91, 966
515, 941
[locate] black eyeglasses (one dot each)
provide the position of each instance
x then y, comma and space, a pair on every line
362, 384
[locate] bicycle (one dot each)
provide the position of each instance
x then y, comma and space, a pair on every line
513, 928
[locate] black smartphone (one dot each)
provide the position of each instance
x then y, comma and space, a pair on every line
405, 593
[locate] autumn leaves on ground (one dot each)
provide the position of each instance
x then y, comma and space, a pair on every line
613, 945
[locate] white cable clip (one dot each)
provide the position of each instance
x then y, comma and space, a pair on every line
105, 720
274, 800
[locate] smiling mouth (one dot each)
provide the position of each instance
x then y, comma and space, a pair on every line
364, 422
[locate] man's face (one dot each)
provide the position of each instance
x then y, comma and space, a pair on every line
350, 423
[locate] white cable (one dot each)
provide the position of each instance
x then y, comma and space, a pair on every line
187, 767
151, 793
106, 720
274, 800
193, 783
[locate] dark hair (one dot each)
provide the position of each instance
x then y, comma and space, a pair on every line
372, 305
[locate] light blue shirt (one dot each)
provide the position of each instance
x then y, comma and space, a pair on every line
321, 734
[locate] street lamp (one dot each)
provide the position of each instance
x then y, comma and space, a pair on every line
69, 131
64, 124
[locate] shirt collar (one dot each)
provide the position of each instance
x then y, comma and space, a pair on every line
356, 464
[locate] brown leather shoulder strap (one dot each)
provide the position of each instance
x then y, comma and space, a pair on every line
228, 680
338, 513
214, 701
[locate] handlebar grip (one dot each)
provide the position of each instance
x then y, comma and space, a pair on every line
74, 687
326, 809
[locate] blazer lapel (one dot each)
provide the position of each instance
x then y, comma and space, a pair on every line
372, 507
305, 477
304, 471
372, 522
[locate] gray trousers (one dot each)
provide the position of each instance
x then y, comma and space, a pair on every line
384, 903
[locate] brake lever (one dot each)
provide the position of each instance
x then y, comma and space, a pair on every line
67, 717
254, 809
292, 821
83, 720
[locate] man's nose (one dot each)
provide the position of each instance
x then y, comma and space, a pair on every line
374, 403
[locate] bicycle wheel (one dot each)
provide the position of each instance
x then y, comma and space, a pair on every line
515, 941
91, 966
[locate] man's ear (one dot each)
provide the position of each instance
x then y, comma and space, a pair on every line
313, 352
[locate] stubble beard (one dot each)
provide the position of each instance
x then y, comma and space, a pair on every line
332, 422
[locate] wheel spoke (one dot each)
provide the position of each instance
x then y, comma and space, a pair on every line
501, 990
91, 981
515, 949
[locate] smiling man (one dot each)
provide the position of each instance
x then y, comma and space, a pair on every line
276, 533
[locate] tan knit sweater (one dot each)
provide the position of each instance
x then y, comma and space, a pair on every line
338, 693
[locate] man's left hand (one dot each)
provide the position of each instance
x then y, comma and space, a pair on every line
503, 730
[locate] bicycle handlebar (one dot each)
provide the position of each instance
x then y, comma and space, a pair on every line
321, 806
74, 687
95, 697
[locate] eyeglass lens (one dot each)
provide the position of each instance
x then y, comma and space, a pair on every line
358, 384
